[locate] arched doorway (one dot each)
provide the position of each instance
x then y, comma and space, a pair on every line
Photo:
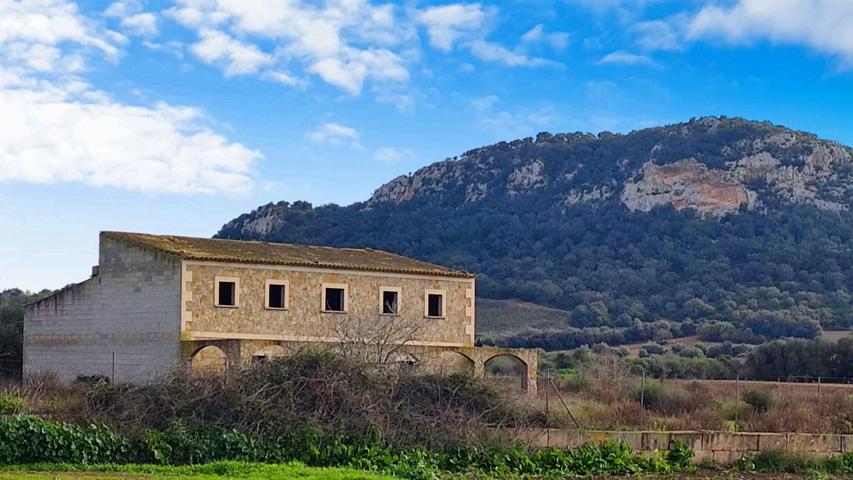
209, 360
507, 370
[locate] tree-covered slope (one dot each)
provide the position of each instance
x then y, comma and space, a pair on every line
714, 220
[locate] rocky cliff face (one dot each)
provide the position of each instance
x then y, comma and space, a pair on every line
714, 166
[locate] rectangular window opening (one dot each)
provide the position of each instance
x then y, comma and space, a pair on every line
435, 305
335, 300
227, 294
389, 303
276, 296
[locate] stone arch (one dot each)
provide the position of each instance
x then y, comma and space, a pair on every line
452, 361
505, 366
269, 352
209, 359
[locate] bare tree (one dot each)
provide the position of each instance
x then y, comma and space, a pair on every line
379, 339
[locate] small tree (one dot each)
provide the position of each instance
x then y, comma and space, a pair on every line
377, 339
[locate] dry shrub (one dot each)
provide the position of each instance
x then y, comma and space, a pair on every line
708, 418
609, 381
802, 414
315, 394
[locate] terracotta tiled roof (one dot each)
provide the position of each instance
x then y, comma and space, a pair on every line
240, 251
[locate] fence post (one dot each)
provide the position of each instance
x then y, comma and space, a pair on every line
819, 404
113, 377
547, 395
643, 400
737, 402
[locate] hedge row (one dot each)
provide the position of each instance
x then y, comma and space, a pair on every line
26, 439
29, 439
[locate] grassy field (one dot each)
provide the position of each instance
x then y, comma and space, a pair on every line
238, 470
501, 317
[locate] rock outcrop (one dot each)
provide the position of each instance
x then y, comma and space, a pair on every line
687, 184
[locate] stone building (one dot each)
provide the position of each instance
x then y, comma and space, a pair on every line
154, 302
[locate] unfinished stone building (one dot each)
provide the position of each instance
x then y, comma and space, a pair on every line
154, 302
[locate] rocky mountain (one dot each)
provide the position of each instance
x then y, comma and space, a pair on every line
713, 220
708, 165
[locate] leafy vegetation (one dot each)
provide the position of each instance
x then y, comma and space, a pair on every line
28, 439
781, 462
31, 439
802, 358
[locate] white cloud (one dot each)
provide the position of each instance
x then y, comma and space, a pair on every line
48, 25
659, 34
346, 43
283, 78
466, 25
392, 155
71, 133
234, 56
625, 58
141, 24
447, 24
134, 20
537, 34
824, 25
56, 127
493, 52
335, 134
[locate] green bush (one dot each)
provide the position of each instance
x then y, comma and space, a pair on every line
759, 400
29, 439
180, 445
10, 405
732, 410
782, 462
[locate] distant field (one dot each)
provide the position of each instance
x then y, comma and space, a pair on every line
496, 317
835, 335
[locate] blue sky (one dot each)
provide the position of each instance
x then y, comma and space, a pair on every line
176, 116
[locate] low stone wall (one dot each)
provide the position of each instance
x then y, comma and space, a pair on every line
724, 448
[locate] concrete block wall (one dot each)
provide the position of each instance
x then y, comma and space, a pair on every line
129, 312
724, 448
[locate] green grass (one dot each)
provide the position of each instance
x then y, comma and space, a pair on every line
218, 470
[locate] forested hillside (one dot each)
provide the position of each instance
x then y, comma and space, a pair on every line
737, 230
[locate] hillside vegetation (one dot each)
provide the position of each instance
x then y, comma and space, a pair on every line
737, 230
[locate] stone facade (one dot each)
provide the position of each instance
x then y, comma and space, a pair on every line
148, 310
304, 319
